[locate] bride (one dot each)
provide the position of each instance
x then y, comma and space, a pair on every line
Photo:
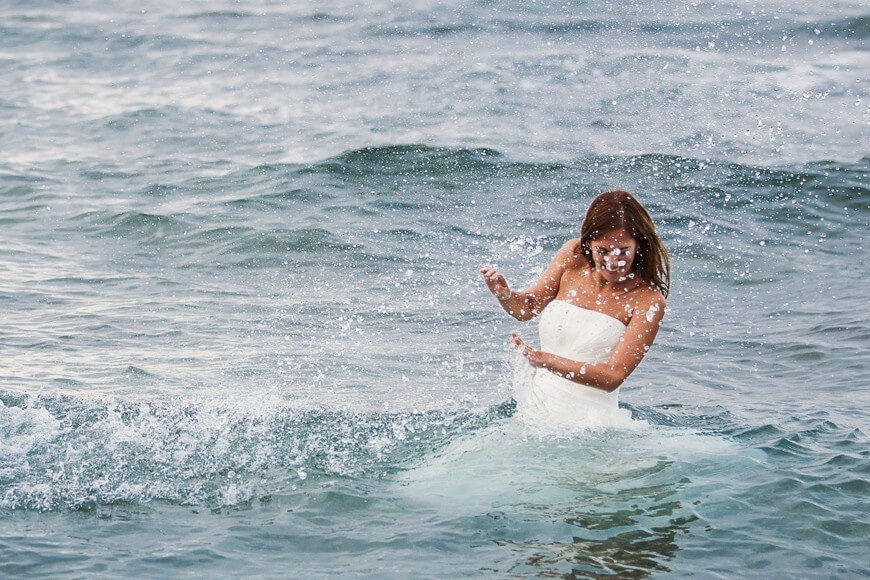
601, 302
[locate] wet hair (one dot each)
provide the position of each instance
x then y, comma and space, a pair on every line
617, 209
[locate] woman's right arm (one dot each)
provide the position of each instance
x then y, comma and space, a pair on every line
517, 304
528, 304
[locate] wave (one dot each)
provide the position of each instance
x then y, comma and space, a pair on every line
268, 214
853, 28
280, 241
217, 15
410, 159
72, 452
726, 31
61, 451
445, 169
134, 224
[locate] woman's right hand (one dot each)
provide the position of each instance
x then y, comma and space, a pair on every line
496, 283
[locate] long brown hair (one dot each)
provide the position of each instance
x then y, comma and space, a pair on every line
618, 209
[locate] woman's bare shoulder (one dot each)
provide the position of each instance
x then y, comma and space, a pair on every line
650, 297
571, 255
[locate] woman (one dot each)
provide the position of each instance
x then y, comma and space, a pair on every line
601, 302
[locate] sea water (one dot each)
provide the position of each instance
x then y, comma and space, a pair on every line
244, 332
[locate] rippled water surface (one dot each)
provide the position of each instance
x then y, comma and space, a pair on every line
244, 331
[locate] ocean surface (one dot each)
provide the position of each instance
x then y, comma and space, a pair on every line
243, 331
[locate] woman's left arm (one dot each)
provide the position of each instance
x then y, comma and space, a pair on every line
627, 354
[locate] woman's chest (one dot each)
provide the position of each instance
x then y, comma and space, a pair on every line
577, 288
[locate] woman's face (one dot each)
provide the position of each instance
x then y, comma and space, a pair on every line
613, 253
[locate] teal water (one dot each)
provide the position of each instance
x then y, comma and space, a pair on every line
244, 332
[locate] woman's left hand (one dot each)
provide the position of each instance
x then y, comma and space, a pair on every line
535, 357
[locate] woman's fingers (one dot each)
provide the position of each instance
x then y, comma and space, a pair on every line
494, 281
524, 349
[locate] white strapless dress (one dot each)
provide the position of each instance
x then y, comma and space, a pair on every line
554, 404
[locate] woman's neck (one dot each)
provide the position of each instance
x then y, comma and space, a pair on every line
623, 284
